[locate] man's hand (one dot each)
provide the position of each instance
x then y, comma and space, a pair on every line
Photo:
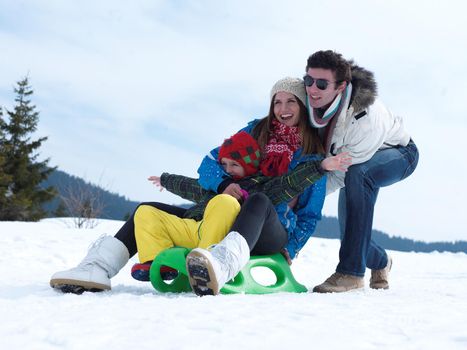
156, 180
340, 162
234, 190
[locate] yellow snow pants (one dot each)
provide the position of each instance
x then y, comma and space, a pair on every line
156, 230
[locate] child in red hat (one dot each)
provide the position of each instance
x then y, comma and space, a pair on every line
239, 155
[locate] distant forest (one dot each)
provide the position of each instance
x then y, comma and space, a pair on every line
328, 227
117, 207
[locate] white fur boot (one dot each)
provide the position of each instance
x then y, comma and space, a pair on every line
208, 271
104, 259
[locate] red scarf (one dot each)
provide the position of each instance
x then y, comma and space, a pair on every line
278, 153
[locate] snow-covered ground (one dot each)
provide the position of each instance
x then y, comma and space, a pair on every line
425, 308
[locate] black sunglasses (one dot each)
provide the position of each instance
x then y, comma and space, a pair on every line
321, 84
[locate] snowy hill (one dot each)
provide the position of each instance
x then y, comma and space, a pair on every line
424, 309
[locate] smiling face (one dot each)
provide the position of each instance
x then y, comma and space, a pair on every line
286, 108
233, 168
323, 98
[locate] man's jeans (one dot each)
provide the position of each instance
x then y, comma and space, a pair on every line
356, 206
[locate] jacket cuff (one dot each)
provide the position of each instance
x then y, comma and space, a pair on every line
164, 179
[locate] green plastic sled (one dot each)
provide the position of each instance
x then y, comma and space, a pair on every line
242, 283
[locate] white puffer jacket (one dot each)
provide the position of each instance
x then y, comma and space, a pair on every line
364, 127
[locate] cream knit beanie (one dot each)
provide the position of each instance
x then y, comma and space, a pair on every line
292, 85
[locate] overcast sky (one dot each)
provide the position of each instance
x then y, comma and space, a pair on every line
131, 89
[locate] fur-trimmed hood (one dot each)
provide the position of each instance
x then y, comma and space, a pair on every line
364, 88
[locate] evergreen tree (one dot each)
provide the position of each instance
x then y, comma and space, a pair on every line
4, 177
61, 210
23, 196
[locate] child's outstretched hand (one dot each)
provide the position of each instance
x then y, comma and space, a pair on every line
156, 180
340, 162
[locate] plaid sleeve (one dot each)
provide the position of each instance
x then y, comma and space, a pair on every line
283, 188
185, 187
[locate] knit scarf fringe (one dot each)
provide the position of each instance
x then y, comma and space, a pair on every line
278, 153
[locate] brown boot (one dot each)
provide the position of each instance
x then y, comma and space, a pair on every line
379, 278
338, 283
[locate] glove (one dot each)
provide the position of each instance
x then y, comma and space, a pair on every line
244, 194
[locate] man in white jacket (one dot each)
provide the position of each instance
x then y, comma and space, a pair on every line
343, 105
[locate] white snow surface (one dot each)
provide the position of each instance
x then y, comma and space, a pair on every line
425, 307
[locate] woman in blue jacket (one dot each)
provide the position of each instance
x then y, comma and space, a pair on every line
286, 139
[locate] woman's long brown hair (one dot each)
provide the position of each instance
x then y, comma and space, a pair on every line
311, 142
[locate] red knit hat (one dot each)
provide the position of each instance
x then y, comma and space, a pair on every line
244, 149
